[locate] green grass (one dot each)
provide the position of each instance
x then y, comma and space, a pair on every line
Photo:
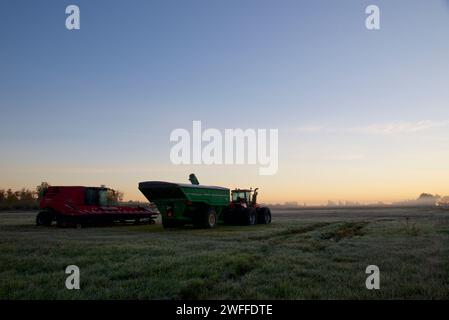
296, 257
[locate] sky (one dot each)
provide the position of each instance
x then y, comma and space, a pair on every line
362, 115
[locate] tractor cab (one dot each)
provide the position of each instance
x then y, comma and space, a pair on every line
244, 197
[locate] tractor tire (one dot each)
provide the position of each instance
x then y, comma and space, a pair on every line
250, 216
264, 215
44, 218
206, 220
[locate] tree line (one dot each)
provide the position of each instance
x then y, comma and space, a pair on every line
22, 199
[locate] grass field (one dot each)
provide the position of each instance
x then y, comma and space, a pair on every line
303, 254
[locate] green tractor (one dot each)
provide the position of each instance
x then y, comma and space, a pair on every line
204, 206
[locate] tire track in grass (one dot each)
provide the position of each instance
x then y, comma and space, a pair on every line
290, 232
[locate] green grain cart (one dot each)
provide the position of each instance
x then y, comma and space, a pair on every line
203, 206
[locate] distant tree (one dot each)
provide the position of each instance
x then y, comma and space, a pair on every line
41, 189
427, 199
22, 199
444, 201
26, 195
11, 197
425, 196
2, 195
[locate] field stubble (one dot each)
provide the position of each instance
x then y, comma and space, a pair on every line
303, 254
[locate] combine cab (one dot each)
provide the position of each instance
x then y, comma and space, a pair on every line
203, 206
79, 206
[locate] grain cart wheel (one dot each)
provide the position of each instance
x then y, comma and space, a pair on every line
264, 215
211, 219
207, 219
250, 216
44, 218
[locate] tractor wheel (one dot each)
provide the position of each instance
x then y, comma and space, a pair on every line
250, 216
44, 218
264, 216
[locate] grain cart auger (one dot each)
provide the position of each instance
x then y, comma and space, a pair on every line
203, 206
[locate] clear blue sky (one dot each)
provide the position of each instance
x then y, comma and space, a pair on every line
97, 105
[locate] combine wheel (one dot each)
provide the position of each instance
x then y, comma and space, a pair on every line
44, 218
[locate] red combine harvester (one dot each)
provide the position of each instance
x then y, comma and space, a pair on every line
80, 206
